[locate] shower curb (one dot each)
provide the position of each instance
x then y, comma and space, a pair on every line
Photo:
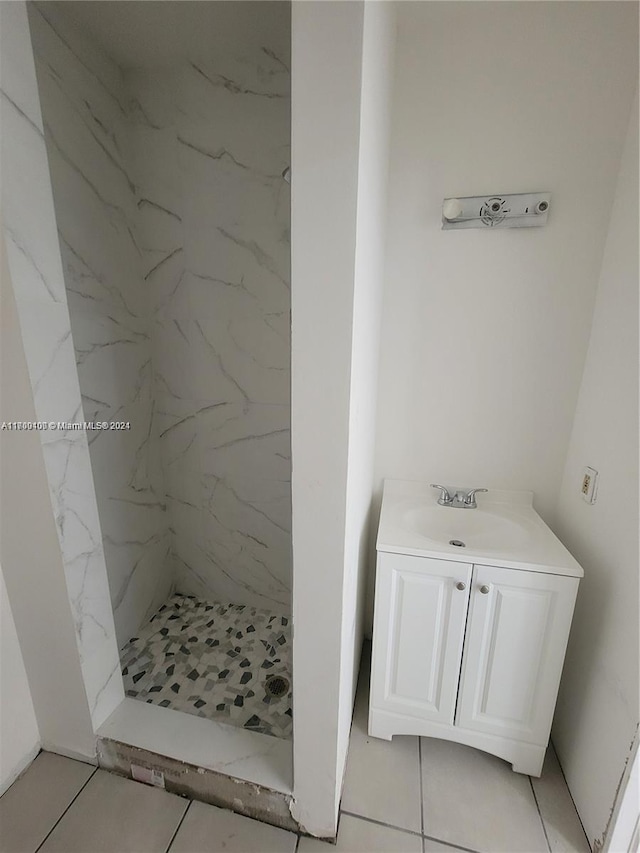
200, 783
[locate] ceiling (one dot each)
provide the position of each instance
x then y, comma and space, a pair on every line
153, 33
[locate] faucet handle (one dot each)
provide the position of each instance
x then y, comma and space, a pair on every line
445, 497
470, 499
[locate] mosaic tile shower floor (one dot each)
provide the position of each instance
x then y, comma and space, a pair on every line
213, 660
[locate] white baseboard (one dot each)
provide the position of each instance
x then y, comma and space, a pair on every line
71, 753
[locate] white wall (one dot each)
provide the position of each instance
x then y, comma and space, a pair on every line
19, 735
325, 132
597, 711
340, 139
378, 44
485, 333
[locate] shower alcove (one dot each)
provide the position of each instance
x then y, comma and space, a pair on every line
146, 217
167, 128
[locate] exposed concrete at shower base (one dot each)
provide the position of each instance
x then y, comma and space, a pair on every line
200, 783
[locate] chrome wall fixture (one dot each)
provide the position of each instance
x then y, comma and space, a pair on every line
515, 210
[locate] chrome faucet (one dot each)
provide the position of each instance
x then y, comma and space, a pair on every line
461, 498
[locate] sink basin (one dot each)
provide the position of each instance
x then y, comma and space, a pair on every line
504, 530
479, 529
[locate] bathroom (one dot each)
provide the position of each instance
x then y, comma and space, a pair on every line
494, 353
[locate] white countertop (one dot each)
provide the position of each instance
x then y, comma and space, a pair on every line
504, 530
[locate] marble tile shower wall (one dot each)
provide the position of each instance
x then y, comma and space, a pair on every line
211, 141
86, 129
174, 231
38, 282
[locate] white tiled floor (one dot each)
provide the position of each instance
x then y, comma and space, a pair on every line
409, 795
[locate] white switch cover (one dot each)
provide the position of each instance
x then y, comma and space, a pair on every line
589, 486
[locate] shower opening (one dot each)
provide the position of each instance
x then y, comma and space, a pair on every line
167, 128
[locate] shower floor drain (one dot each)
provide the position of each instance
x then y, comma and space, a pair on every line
277, 686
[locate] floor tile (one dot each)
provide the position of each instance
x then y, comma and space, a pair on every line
226, 662
559, 815
115, 814
382, 779
362, 836
216, 830
476, 800
30, 808
433, 846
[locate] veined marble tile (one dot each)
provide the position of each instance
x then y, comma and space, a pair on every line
230, 142
17, 69
197, 574
188, 366
84, 137
113, 355
239, 242
88, 81
159, 186
248, 343
133, 513
73, 151
93, 270
248, 444
179, 430
27, 205
255, 443
79, 534
122, 458
159, 223
38, 283
99, 243
250, 81
128, 463
269, 499
222, 338
87, 142
244, 541
231, 528
48, 345
164, 277
153, 97
130, 526
148, 583
103, 682
174, 233
62, 41
90, 155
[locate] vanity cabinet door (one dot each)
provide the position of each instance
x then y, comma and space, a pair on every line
418, 635
516, 639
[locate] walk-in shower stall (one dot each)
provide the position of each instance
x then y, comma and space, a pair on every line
167, 129
193, 210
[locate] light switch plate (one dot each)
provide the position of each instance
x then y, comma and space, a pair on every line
589, 486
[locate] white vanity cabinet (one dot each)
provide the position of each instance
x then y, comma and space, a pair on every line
470, 652
517, 632
419, 631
